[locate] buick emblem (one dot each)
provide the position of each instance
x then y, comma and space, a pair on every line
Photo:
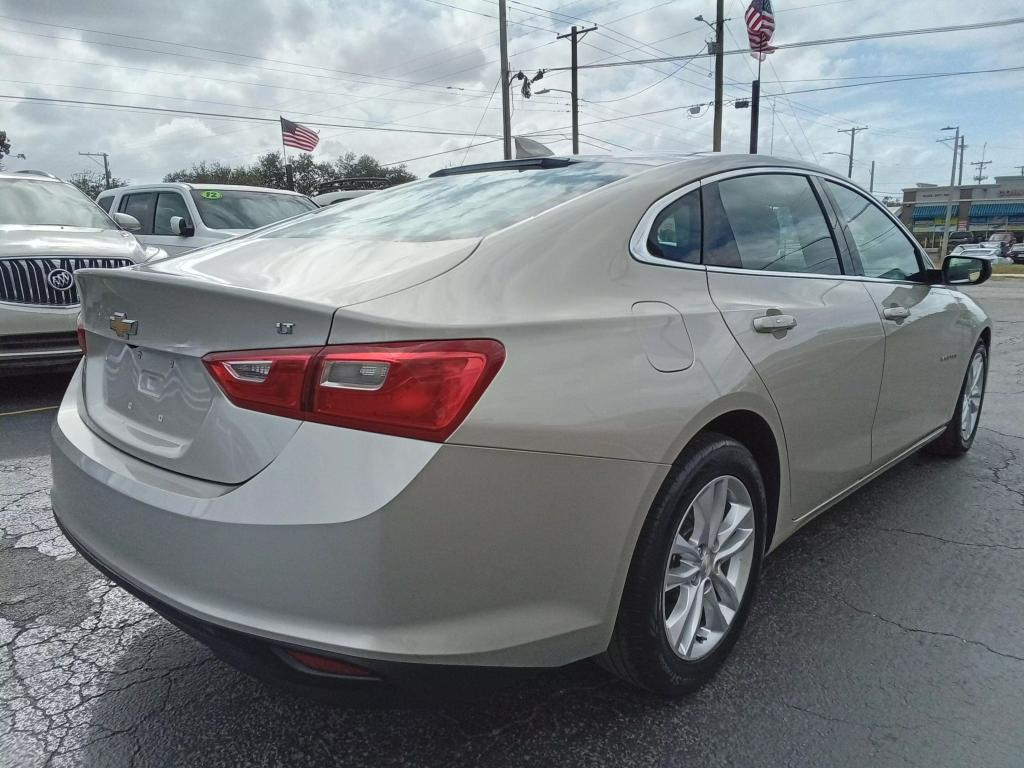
60, 279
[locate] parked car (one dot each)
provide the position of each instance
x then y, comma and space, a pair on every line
48, 231
1017, 253
1000, 247
342, 190
182, 217
541, 410
992, 252
961, 237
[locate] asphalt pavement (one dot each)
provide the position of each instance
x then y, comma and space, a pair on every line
890, 631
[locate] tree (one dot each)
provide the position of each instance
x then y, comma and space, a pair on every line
268, 171
93, 182
348, 166
5, 148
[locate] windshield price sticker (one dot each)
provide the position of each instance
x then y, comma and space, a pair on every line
212, 194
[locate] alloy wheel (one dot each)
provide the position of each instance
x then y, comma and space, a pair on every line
708, 567
974, 390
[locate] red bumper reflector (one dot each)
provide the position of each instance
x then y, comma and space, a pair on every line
80, 330
327, 665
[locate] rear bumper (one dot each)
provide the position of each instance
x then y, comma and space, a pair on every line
268, 661
484, 558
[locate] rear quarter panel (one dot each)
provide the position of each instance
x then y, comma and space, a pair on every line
558, 291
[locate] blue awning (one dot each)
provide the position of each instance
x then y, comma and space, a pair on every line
988, 210
931, 211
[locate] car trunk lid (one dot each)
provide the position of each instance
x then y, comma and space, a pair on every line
146, 388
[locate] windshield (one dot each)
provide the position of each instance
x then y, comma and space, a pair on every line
34, 202
455, 207
1001, 237
241, 209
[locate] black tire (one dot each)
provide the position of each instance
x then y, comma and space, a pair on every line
639, 651
951, 443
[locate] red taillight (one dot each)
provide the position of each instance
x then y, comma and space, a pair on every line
268, 380
80, 331
327, 665
420, 389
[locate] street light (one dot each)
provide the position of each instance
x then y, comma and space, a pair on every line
552, 90
949, 197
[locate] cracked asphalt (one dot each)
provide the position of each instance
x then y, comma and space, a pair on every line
890, 631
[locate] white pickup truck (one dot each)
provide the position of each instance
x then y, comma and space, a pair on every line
181, 217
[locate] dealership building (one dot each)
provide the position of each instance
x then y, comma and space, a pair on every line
978, 208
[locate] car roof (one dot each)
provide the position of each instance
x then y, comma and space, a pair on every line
182, 186
33, 175
342, 194
698, 163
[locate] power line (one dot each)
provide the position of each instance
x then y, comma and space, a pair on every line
219, 115
181, 45
906, 79
291, 72
483, 114
252, 83
807, 43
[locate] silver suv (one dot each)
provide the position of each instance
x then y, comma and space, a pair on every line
48, 231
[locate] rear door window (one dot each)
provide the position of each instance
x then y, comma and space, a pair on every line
141, 205
768, 222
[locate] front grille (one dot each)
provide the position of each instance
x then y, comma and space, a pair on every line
24, 281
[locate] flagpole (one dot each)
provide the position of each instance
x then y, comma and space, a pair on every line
755, 106
288, 178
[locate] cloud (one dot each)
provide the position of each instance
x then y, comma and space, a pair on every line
425, 66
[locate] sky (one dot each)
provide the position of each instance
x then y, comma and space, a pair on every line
428, 70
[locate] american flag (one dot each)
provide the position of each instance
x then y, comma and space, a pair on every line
298, 136
760, 28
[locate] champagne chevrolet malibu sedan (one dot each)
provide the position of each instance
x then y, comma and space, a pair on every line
512, 415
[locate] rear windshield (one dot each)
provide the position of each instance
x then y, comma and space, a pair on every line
33, 202
240, 209
455, 207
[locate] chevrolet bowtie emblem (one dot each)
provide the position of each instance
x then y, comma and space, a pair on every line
122, 326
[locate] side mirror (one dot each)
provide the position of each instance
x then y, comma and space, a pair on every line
126, 222
965, 270
181, 227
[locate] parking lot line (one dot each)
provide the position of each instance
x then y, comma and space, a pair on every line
30, 410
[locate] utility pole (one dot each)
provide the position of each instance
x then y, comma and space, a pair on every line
853, 135
981, 164
949, 197
574, 36
960, 175
719, 72
871, 184
506, 112
106, 164
755, 109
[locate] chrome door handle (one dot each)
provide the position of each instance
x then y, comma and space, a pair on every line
895, 313
772, 323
